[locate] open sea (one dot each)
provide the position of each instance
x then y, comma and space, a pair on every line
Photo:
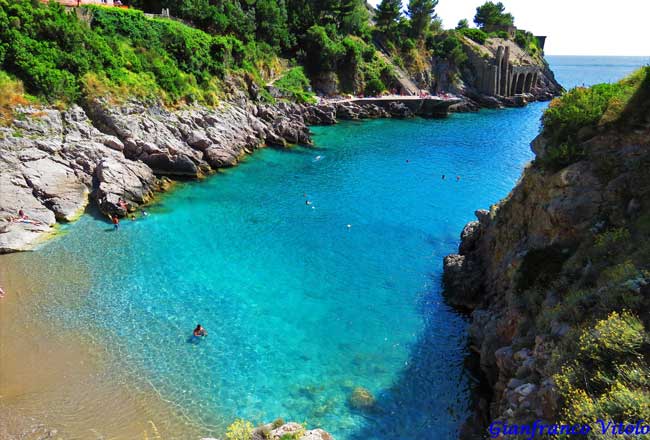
303, 302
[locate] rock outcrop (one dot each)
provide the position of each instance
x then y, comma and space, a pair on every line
526, 247
55, 162
497, 74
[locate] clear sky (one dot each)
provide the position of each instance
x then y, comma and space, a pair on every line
573, 27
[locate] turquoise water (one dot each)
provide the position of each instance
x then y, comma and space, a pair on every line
300, 308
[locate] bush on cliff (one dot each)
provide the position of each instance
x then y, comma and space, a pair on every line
12, 94
476, 35
295, 84
57, 55
581, 111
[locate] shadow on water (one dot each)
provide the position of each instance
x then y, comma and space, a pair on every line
421, 405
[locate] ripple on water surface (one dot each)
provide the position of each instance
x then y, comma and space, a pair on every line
300, 308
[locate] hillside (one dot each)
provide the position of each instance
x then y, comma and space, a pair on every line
557, 274
263, 52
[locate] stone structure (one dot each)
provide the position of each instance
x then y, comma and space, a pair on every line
498, 77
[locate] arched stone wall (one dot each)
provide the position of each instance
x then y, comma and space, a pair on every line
528, 82
520, 84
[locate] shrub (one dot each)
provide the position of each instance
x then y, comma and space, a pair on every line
11, 95
295, 84
240, 430
583, 108
374, 87
609, 243
448, 46
476, 35
614, 339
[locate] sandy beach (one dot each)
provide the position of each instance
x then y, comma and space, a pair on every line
56, 383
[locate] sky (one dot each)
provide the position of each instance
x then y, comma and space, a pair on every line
572, 27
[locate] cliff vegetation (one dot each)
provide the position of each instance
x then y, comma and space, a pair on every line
210, 51
560, 270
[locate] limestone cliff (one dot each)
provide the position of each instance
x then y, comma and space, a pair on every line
54, 162
565, 255
497, 73
492, 74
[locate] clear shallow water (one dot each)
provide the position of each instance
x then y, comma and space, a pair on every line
300, 308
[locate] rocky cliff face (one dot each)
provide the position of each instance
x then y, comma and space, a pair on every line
54, 162
521, 265
498, 73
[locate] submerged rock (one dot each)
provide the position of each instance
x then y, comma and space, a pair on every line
361, 398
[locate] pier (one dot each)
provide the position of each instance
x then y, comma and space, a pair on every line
427, 106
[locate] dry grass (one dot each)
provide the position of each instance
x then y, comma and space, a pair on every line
12, 94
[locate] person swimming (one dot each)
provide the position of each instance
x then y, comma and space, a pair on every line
199, 331
307, 202
443, 177
144, 213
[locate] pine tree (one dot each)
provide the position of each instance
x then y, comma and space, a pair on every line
421, 13
387, 14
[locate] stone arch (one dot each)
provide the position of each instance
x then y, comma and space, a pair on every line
528, 82
503, 87
520, 84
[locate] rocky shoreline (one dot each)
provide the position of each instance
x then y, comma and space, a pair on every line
538, 231
54, 162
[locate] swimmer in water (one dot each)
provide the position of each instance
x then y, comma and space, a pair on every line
307, 202
144, 213
457, 178
443, 177
199, 331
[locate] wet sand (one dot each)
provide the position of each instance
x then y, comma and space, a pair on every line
63, 385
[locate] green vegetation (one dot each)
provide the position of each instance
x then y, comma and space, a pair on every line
448, 46
493, 14
240, 430
462, 24
590, 298
122, 53
474, 34
421, 13
581, 111
528, 42
294, 84
212, 46
12, 94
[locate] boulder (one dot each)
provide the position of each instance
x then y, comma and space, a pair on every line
361, 398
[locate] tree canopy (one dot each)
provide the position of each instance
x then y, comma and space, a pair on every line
421, 13
491, 14
387, 14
